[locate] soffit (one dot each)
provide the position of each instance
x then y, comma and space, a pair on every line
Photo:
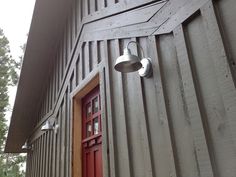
47, 25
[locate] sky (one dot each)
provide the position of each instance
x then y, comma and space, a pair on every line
15, 19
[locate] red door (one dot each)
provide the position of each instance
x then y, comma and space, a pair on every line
92, 135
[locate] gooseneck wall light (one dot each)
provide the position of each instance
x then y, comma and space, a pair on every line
128, 62
26, 147
50, 125
47, 126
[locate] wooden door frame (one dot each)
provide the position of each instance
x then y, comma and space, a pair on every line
87, 86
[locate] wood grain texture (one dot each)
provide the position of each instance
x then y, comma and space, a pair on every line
105, 143
119, 114
179, 122
110, 114
224, 13
198, 148
225, 109
168, 165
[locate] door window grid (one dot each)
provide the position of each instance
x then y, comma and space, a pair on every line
92, 119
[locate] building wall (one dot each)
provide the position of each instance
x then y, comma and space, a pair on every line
179, 122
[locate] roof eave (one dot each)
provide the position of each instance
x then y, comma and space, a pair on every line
47, 25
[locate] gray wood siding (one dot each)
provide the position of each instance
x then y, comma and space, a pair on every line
179, 122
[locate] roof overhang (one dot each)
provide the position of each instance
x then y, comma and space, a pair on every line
47, 25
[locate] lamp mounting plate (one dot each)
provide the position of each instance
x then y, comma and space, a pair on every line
146, 70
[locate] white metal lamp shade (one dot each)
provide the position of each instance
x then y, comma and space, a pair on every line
127, 62
47, 126
26, 147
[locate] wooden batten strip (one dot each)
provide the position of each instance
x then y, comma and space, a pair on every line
105, 135
201, 147
220, 62
54, 85
87, 62
81, 10
77, 17
83, 61
50, 167
60, 68
65, 51
80, 66
68, 39
42, 169
62, 138
62, 57
33, 161
125, 149
57, 76
77, 71
85, 8
43, 106
47, 154
44, 161
69, 108
47, 148
144, 128
68, 134
90, 55
48, 96
54, 155
40, 157
74, 21
112, 160
92, 6
95, 54
167, 167
50, 91
58, 145
73, 83
71, 31
35, 158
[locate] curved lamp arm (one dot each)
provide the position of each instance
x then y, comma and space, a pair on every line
130, 63
134, 42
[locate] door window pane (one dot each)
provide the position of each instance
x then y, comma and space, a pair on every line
88, 129
95, 126
88, 110
95, 105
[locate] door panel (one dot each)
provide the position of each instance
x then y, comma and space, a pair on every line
92, 137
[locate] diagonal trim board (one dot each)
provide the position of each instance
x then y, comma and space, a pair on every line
133, 17
179, 17
166, 17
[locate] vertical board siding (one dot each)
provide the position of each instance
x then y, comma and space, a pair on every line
192, 110
111, 131
63, 140
81, 9
212, 98
178, 122
226, 20
67, 134
118, 113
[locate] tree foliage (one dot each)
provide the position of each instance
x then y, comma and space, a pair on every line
10, 164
